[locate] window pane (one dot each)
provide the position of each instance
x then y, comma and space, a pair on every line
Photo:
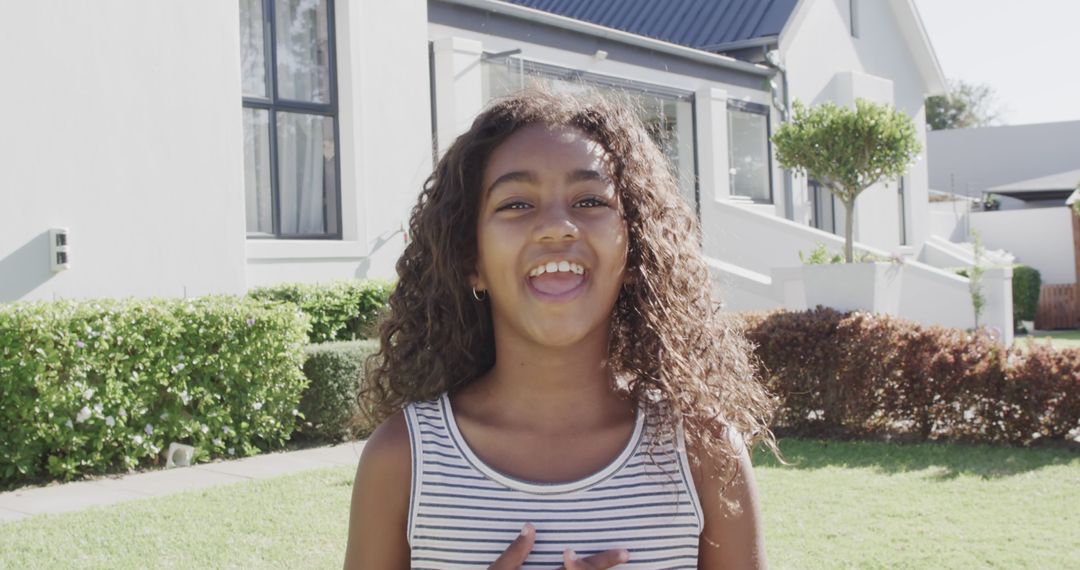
307, 183
748, 155
303, 50
252, 49
257, 171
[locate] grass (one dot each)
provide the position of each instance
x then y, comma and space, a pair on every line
840, 505
1057, 339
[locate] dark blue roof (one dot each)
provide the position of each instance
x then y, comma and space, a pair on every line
701, 24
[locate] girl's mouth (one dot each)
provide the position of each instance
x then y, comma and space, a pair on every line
557, 281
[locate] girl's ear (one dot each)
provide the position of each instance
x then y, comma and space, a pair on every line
476, 282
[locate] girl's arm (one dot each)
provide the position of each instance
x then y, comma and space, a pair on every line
380, 500
732, 538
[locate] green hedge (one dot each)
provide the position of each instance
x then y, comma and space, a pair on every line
342, 310
335, 371
861, 374
100, 386
1026, 283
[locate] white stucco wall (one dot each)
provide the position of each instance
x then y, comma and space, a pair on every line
968, 161
123, 124
1040, 238
825, 63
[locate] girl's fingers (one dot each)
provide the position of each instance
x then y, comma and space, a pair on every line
514, 556
601, 561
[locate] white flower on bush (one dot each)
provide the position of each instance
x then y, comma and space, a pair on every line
257, 405
164, 416
84, 414
98, 407
149, 429
216, 442
137, 439
89, 393
122, 412
204, 428
224, 429
109, 421
178, 368
69, 424
231, 451
184, 397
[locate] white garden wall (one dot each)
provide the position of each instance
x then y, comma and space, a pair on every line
1040, 238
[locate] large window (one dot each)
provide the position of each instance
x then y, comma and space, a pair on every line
748, 151
290, 119
668, 114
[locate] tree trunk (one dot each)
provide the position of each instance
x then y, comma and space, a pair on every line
849, 229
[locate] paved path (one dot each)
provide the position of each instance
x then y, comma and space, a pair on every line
23, 503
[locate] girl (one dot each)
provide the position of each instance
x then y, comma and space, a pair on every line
555, 383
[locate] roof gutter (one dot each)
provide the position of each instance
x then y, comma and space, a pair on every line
743, 44
570, 24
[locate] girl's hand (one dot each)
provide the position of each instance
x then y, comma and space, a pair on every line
514, 556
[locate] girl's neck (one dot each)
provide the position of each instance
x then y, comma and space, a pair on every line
546, 387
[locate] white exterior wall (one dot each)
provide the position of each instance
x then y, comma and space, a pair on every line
968, 161
123, 124
825, 63
1038, 237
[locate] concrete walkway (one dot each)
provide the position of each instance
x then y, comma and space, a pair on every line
24, 503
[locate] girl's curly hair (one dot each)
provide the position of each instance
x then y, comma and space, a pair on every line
670, 348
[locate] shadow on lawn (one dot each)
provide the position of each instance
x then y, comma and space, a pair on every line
945, 461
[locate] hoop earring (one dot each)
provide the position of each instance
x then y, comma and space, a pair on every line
477, 295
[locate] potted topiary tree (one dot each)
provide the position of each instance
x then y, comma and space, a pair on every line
848, 150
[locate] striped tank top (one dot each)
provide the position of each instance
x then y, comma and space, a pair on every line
463, 514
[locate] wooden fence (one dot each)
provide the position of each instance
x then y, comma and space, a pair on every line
1057, 307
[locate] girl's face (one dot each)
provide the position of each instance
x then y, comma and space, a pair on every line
551, 238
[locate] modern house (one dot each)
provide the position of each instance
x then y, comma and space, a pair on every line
1024, 174
208, 147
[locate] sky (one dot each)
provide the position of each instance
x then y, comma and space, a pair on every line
1028, 51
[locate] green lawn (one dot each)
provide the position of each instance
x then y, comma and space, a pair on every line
1057, 339
841, 505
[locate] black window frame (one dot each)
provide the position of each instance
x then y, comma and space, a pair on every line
757, 109
275, 103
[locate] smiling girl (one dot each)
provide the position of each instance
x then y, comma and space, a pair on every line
555, 384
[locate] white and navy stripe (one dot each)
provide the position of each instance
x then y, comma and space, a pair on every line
463, 513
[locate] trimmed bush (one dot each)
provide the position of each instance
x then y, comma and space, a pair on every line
335, 371
342, 310
1026, 283
861, 374
101, 386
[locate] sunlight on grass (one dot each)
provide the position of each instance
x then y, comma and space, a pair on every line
1057, 339
839, 505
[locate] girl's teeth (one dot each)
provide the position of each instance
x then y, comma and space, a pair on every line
553, 267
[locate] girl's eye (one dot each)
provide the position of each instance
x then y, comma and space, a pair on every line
512, 206
591, 202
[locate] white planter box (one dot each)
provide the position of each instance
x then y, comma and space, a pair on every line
873, 287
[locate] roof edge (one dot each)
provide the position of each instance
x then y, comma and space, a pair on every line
571, 24
742, 44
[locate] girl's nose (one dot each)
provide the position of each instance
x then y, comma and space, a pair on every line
556, 224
